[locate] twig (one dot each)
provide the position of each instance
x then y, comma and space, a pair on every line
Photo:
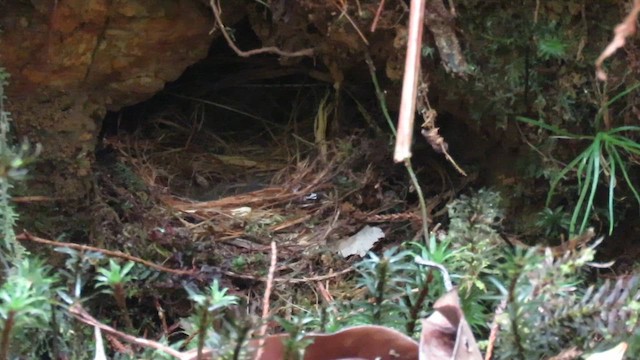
495, 328
324, 292
117, 344
452, 8
225, 107
374, 24
117, 254
452, 161
28, 199
162, 317
344, 12
359, 7
331, 226
266, 300
99, 346
290, 281
410, 82
269, 49
82, 315
534, 148
623, 30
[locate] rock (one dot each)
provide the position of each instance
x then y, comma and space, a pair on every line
71, 61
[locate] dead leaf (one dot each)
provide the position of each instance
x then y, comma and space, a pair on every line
360, 342
360, 243
434, 139
569, 354
616, 353
100, 353
241, 212
446, 335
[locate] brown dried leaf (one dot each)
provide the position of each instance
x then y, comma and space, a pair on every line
436, 140
616, 353
568, 354
446, 335
360, 342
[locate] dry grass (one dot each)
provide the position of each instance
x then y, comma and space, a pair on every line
233, 197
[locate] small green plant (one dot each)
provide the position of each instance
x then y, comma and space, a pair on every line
113, 281
553, 222
550, 309
13, 160
25, 298
239, 263
296, 328
607, 154
27, 290
208, 309
399, 291
435, 251
472, 233
76, 270
475, 249
551, 47
385, 277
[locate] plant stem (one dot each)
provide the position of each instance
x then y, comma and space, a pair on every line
415, 308
423, 203
323, 319
382, 271
513, 311
242, 336
379, 92
202, 331
119, 294
6, 335
12, 252
57, 337
407, 163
